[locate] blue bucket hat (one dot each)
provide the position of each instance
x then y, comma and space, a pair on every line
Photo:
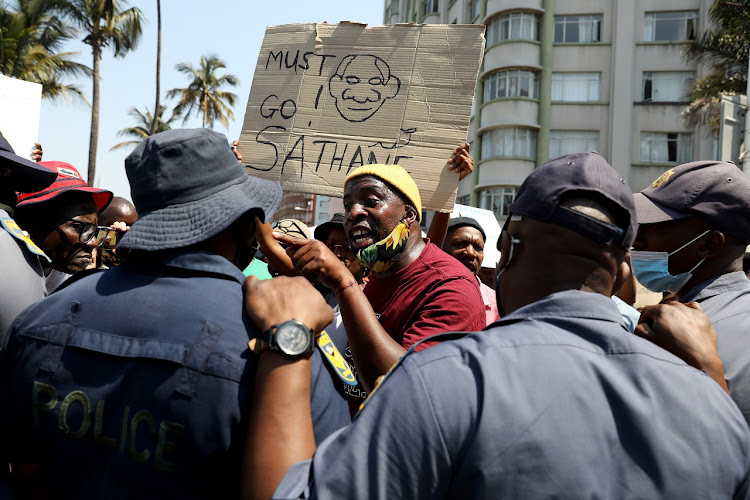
187, 186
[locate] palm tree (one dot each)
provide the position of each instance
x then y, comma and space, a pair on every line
143, 128
725, 49
30, 36
105, 23
203, 95
157, 105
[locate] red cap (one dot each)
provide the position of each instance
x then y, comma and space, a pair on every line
68, 179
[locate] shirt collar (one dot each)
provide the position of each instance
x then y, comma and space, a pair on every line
201, 260
730, 282
572, 304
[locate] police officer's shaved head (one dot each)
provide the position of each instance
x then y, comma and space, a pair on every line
119, 209
570, 227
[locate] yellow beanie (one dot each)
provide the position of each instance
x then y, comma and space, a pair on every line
394, 175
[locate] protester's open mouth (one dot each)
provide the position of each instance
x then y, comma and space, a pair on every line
360, 238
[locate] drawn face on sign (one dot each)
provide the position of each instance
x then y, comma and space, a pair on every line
361, 85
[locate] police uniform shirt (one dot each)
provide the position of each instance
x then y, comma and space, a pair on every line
21, 271
135, 382
558, 401
726, 302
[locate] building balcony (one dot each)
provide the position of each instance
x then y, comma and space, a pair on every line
515, 111
497, 6
513, 54
504, 171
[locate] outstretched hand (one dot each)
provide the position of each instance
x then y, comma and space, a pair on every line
316, 262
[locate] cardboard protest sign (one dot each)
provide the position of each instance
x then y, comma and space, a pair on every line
327, 98
21, 103
488, 221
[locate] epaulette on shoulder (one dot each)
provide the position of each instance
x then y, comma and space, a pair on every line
12, 228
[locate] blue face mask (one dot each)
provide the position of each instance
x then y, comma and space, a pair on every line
651, 269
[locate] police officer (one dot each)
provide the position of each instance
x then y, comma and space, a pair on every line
555, 400
133, 382
693, 229
20, 258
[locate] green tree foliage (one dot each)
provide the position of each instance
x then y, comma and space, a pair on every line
31, 34
105, 23
142, 129
204, 95
725, 49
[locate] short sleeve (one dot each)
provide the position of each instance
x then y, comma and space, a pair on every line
454, 306
393, 449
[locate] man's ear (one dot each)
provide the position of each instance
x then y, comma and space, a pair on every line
410, 216
393, 85
622, 274
335, 86
245, 227
712, 245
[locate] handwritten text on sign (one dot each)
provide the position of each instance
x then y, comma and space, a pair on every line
327, 99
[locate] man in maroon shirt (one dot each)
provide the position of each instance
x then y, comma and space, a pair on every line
416, 290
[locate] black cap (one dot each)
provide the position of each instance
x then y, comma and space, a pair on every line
27, 176
323, 230
457, 222
585, 174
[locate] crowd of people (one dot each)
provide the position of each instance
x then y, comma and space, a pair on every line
189, 345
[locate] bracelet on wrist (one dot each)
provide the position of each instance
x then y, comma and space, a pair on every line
340, 290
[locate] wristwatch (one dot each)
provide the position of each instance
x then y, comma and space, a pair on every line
292, 338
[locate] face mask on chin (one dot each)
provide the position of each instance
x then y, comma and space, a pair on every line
651, 269
380, 256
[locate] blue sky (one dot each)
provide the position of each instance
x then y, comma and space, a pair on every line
231, 29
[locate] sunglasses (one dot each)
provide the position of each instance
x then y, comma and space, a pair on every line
108, 237
86, 230
289, 227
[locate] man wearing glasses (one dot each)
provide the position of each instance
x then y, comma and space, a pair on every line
62, 220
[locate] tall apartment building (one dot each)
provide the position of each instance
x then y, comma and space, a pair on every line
562, 76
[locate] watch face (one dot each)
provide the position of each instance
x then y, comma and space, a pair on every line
293, 339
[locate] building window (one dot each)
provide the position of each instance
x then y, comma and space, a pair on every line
669, 26
562, 142
394, 6
476, 6
431, 7
667, 86
666, 147
463, 200
509, 142
578, 29
497, 199
513, 26
511, 83
575, 87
